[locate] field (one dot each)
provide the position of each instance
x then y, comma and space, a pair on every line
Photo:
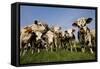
60, 55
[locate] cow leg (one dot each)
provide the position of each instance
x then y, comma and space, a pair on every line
55, 43
71, 48
46, 46
24, 50
91, 51
66, 45
21, 51
38, 50
74, 45
75, 49
90, 47
33, 47
62, 44
59, 43
51, 47
83, 47
83, 50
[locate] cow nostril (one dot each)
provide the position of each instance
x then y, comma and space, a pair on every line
81, 28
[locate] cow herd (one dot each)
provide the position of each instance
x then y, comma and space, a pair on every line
39, 36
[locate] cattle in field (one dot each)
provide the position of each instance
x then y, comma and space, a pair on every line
85, 35
69, 40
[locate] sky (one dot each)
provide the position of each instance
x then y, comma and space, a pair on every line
63, 17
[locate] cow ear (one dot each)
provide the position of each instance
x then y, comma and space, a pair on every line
59, 28
88, 20
36, 22
66, 31
73, 30
74, 24
25, 27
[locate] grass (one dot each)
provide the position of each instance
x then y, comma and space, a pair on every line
60, 55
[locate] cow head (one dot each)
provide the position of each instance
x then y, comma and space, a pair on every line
46, 28
56, 29
69, 32
81, 22
38, 26
38, 34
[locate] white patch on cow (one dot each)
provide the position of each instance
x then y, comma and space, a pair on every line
70, 31
85, 28
39, 34
50, 36
93, 32
81, 21
57, 29
63, 33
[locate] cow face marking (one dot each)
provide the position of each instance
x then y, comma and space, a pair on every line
69, 32
81, 22
38, 34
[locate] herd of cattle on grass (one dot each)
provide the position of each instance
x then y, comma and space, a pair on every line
39, 36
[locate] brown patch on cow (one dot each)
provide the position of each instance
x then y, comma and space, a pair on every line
28, 30
82, 30
73, 30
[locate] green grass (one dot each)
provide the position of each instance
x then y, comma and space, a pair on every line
60, 55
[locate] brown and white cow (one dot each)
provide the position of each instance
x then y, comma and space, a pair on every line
84, 33
32, 34
25, 39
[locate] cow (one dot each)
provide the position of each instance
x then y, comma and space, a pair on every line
84, 33
25, 39
40, 28
57, 36
49, 36
40, 42
31, 34
69, 38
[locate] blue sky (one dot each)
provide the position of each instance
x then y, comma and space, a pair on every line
63, 17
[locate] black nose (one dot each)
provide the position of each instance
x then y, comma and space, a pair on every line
81, 28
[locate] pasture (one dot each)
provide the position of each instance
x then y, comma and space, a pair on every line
60, 55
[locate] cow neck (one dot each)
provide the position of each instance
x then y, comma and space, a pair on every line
86, 30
